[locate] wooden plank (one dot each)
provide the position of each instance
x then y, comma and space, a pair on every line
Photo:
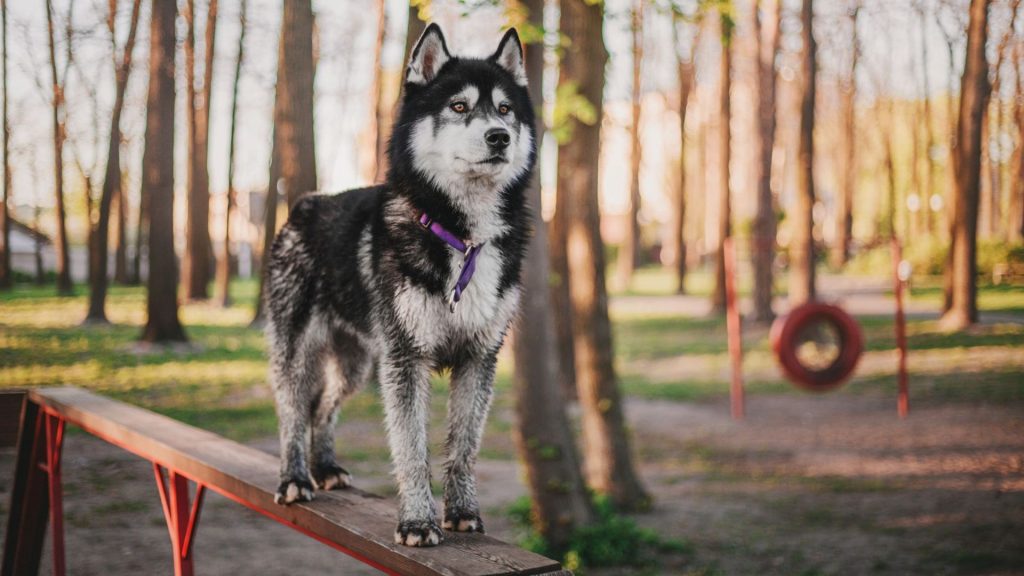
30, 500
10, 416
358, 522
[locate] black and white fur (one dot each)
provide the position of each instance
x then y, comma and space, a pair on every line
357, 284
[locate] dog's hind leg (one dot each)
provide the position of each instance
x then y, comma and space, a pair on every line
347, 367
298, 381
468, 403
405, 387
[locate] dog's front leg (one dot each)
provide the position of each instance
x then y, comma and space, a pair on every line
405, 386
468, 404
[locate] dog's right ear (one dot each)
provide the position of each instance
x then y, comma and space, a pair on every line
427, 58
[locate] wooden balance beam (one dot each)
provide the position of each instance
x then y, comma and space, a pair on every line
355, 522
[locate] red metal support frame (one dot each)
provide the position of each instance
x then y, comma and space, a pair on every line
182, 519
54, 441
44, 416
903, 400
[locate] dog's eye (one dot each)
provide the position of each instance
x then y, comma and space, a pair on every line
504, 109
458, 107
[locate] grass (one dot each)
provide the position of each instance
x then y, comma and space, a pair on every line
220, 382
1004, 298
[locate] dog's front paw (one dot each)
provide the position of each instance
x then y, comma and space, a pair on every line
294, 490
331, 477
418, 533
459, 520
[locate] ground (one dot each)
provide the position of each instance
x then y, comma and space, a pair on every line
807, 484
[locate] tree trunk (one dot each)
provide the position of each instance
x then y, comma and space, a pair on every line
687, 80
974, 93
801, 272
609, 464
413, 30
762, 247
929, 128
198, 248
561, 303
952, 170
112, 178
293, 159
6, 279
40, 275
848, 183
121, 238
141, 239
986, 189
889, 159
369, 155
544, 436
629, 250
724, 158
64, 287
1018, 182
224, 264
162, 324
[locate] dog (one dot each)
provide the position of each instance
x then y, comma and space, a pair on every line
419, 274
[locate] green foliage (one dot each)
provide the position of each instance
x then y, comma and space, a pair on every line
571, 106
995, 252
613, 540
423, 9
927, 257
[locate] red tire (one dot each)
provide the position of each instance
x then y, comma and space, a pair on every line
784, 334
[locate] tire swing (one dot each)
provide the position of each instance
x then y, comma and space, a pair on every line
817, 345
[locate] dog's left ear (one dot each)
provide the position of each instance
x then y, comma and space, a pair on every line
510, 56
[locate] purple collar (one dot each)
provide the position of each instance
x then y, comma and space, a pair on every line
469, 253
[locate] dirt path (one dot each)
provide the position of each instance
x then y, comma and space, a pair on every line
807, 485
838, 485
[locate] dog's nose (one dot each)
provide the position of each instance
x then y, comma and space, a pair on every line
498, 138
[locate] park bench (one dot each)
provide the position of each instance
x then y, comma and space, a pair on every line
355, 522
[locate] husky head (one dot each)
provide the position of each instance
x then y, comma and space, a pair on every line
466, 123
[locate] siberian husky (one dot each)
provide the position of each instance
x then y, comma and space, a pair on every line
419, 274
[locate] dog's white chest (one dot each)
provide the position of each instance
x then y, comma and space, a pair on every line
481, 312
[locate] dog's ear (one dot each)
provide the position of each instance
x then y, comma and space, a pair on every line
427, 58
509, 56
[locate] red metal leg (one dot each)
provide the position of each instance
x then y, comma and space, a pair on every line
181, 519
903, 399
54, 440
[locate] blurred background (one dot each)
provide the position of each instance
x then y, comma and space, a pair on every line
152, 148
